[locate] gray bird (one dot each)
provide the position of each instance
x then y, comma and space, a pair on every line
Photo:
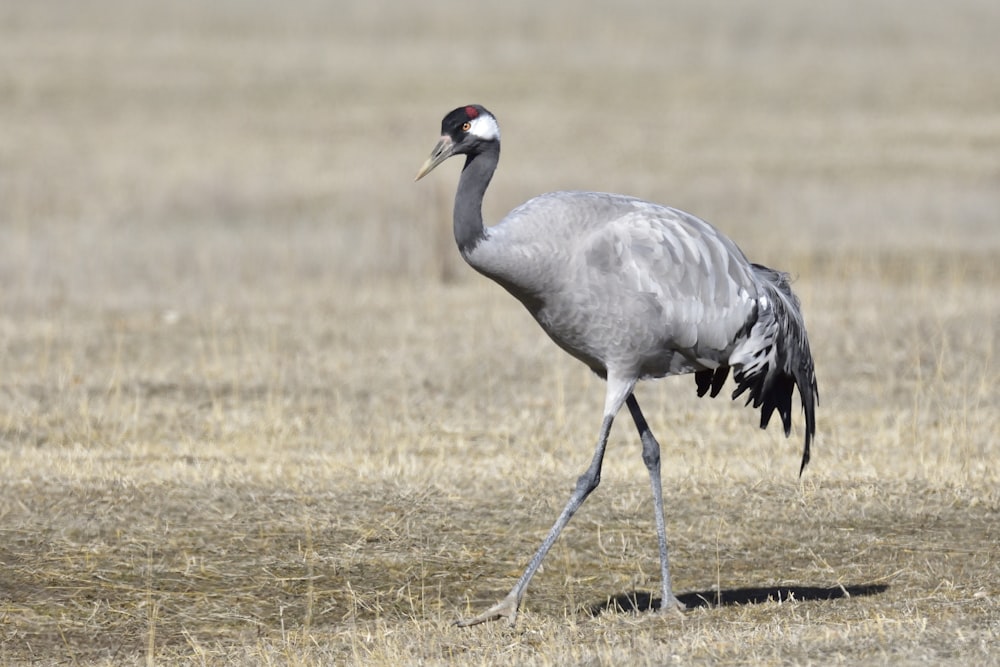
634, 290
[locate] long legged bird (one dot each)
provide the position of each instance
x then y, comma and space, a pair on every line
634, 290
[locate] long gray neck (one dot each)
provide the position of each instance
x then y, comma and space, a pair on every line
468, 216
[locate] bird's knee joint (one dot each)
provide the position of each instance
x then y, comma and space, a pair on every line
650, 451
587, 483
651, 459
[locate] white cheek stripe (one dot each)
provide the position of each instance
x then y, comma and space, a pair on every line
485, 127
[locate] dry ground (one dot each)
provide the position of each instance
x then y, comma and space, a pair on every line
254, 411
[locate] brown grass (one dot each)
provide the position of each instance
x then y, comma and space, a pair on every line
253, 409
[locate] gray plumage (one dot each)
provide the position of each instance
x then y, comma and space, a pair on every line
634, 290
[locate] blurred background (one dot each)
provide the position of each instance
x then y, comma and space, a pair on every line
247, 384
176, 154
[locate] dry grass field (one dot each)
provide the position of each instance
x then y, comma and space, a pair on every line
254, 409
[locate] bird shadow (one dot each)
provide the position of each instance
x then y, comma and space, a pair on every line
635, 601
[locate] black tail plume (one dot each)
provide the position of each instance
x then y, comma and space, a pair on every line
775, 358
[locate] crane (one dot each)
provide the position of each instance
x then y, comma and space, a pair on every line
634, 290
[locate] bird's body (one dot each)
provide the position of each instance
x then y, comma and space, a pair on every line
634, 290
621, 283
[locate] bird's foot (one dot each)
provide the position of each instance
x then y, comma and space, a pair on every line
671, 605
506, 608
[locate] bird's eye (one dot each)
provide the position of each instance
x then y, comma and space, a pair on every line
466, 126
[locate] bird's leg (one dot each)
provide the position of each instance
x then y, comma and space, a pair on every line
585, 484
651, 457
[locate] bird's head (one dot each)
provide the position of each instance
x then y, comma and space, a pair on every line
463, 131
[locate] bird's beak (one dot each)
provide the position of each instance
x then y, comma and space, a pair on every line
442, 151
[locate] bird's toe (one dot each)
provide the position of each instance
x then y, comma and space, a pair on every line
506, 608
671, 605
